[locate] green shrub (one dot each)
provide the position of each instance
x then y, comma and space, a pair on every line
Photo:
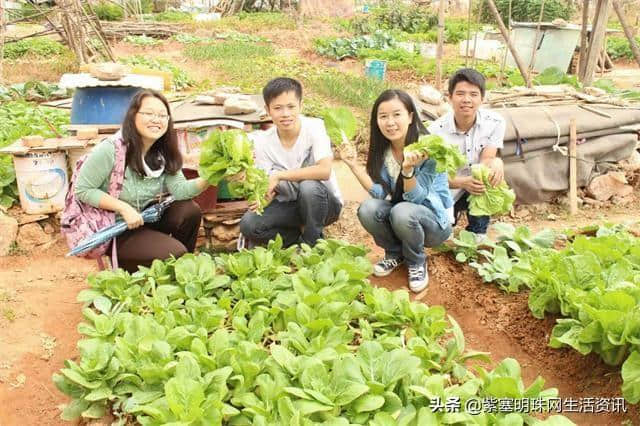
38, 46
529, 11
339, 48
620, 48
107, 11
395, 16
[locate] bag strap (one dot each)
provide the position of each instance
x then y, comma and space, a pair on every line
117, 173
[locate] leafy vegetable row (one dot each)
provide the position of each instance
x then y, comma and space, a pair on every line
276, 337
593, 282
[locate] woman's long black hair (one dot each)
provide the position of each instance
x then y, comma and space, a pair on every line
165, 147
378, 144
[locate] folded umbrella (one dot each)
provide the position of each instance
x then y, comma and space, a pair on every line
150, 214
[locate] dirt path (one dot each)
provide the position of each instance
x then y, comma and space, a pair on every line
37, 307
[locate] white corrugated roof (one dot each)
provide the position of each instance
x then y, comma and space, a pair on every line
74, 81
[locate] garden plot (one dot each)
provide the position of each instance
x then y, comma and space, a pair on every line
38, 299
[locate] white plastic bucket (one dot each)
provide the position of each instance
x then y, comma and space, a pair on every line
42, 181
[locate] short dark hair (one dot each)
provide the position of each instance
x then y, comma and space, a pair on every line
470, 76
280, 85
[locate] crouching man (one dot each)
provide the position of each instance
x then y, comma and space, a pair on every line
479, 133
296, 154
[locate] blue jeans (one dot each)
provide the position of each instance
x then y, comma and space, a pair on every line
315, 208
477, 224
403, 229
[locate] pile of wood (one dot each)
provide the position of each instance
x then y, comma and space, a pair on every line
118, 30
555, 95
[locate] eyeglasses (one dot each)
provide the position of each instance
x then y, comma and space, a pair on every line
153, 115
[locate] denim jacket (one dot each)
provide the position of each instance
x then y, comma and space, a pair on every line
431, 190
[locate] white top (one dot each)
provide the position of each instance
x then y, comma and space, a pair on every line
313, 145
487, 132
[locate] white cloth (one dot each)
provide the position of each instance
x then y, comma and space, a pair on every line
392, 165
153, 173
313, 145
487, 132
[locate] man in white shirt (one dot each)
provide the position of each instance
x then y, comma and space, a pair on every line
479, 133
296, 154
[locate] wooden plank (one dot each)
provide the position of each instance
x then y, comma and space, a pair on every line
102, 128
573, 171
597, 39
583, 38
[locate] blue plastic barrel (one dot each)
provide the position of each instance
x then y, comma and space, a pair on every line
101, 105
375, 68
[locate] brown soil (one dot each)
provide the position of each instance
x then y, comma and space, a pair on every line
38, 297
37, 301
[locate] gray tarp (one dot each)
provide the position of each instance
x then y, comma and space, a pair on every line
539, 172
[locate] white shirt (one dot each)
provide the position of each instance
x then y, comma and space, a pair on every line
486, 132
313, 145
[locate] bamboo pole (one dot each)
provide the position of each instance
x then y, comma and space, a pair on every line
466, 57
597, 37
440, 45
512, 49
583, 38
627, 30
504, 57
534, 51
573, 172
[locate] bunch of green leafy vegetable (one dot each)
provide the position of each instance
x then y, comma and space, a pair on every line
228, 153
340, 48
18, 119
141, 40
275, 336
447, 156
181, 79
339, 121
32, 90
593, 283
494, 200
42, 47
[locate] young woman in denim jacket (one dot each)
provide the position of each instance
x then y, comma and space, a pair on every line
411, 203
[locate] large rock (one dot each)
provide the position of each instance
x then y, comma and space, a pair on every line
239, 105
8, 233
226, 232
606, 186
32, 235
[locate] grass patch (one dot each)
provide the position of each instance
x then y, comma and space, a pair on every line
229, 51
349, 89
252, 22
38, 47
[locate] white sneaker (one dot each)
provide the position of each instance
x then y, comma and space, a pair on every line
418, 277
387, 266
